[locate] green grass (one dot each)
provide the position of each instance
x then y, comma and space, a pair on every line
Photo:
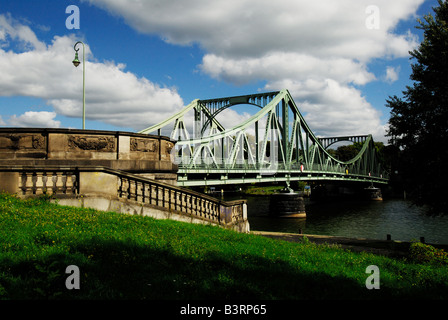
263, 190
132, 257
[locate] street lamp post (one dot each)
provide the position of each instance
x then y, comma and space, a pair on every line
76, 63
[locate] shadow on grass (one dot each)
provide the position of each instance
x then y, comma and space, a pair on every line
111, 269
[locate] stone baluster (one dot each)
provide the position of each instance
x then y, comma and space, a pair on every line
201, 206
188, 203
125, 188
173, 200
138, 191
39, 183
75, 183
58, 182
143, 192
52, 181
120, 187
27, 183
133, 190
206, 213
44, 183
68, 183
163, 197
184, 201
151, 194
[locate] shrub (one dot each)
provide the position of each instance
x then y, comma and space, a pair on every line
425, 253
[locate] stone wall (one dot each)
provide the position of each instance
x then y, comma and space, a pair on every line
148, 155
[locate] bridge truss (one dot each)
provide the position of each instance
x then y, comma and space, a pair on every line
273, 145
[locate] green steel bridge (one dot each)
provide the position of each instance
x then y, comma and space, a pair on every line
273, 145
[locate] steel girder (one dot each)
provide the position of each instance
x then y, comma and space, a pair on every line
328, 141
275, 144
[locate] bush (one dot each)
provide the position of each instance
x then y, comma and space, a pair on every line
425, 253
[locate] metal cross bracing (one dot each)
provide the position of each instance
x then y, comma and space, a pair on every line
273, 145
328, 141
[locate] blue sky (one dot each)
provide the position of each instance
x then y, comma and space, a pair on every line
148, 59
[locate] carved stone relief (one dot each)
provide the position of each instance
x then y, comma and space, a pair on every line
104, 144
38, 142
143, 145
168, 147
22, 142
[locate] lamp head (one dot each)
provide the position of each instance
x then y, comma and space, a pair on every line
76, 61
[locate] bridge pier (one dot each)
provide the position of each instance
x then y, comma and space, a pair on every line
287, 205
345, 191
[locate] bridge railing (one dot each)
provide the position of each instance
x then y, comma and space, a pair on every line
272, 168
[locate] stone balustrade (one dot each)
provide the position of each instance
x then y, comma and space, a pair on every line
115, 190
48, 182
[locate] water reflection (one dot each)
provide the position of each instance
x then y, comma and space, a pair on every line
363, 219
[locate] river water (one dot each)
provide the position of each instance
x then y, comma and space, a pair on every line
352, 218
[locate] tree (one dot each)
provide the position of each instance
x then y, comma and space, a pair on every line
419, 121
347, 152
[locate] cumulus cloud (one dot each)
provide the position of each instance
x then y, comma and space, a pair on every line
113, 95
280, 65
241, 28
11, 29
392, 74
319, 50
42, 119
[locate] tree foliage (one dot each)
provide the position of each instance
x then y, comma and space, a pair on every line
348, 152
419, 120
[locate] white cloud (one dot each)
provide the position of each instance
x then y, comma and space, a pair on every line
281, 65
229, 117
42, 119
334, 109
241, 28
10, 29
392, 74
317, 49
113, 95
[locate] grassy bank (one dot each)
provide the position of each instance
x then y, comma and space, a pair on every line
133, 257
263, 190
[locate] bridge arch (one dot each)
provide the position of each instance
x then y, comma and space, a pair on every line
328, 141
213, 116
